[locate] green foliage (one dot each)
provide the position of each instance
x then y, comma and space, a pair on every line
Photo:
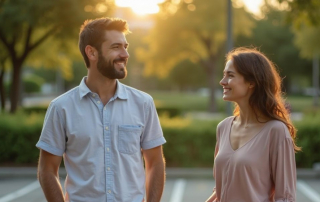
305, 16
309, 139
170, 111
195, 32
190, 35
35, 109
19, 134
32, 84
306, 39
303, 11
275, 39
182, 101
44, 28
187, 76
190, 143
190, 146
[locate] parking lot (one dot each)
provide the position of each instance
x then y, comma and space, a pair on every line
178, 188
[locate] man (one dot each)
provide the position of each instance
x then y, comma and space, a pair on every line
102, 129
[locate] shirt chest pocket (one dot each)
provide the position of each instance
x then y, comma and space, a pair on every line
129, 138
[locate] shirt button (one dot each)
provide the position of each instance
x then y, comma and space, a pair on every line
107, 128
107, 148
98, 102
93, 95
104, 108
108, 168
109, 191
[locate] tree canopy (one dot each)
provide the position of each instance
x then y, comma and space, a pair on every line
25, 26
195, 31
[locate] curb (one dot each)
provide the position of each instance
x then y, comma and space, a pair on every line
31, 172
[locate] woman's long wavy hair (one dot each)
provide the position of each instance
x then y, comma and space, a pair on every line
266, 98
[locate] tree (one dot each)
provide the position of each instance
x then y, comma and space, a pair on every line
194, 31
3, 59
305, 14
275, 38
27, 25
303, 11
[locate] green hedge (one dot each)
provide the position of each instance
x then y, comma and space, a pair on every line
32, 84
19, 134
308, 137
190, 143
190, 146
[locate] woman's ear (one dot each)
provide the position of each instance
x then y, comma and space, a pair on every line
251, 85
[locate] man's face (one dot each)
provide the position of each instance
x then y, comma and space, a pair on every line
113, 55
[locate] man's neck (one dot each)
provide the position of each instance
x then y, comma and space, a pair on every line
103, 86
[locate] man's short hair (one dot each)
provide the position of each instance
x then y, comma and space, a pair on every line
92, 33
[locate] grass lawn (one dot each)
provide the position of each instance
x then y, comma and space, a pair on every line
195, 102
300, 103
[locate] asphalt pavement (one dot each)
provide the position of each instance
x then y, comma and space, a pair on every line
182, 185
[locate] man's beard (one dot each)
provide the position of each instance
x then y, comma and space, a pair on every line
107, 69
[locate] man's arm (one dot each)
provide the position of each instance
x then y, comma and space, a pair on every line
48, 176
155, 173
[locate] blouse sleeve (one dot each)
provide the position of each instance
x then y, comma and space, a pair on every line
284, 169
216, 151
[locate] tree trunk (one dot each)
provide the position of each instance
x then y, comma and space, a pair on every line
2, 90
15, 85
210, 67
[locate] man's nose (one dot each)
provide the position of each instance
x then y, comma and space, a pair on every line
125, 54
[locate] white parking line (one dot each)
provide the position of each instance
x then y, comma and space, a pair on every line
20, 192
308, 191
177, 191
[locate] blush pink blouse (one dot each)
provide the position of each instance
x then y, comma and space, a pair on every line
262, 170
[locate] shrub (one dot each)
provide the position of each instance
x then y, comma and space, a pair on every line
32, 84
19, 134
171, 111
308, 137
190, 143
35, 109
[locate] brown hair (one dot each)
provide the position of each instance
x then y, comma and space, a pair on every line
266, 98
92, 33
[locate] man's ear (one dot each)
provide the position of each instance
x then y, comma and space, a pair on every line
91, 52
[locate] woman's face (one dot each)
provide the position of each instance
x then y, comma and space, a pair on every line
235, 88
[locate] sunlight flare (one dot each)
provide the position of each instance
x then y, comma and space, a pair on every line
141, 7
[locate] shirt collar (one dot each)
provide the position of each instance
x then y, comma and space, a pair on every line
83, 88
121, 92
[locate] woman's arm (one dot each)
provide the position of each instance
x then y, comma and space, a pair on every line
283, 167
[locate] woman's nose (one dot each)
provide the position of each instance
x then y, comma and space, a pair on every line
222, 82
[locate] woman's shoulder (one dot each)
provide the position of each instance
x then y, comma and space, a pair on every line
226, 122
278, 129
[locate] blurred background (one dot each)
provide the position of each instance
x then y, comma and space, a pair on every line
177, 54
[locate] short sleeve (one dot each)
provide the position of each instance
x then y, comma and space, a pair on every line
283, 168
216, 150
53, 138
152, 134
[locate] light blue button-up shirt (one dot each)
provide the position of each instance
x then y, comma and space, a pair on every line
101, 145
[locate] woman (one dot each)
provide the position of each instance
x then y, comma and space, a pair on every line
255, 149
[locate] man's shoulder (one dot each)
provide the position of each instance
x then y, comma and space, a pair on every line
66, 97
